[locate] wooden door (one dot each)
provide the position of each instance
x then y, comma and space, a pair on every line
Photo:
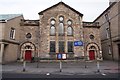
92, 55
28, 55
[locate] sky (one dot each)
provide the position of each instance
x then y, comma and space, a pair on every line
91, 9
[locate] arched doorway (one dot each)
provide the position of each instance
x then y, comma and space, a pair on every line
27, 51
92, 51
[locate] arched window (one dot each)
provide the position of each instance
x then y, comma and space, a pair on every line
52, 28
69, 29
61, 29
61, 25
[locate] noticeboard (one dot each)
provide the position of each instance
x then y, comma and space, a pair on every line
61, 56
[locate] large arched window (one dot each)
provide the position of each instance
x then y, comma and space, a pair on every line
52, 28
69, 29
61, 25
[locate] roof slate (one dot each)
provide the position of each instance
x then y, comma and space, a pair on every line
9, 16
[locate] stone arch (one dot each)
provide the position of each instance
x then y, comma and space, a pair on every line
27, 46
92, 44
92, 51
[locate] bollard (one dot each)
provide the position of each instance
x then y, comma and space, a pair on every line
98, 66
85, 65
24, 66
60, 66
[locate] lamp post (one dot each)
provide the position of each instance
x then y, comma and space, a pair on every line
110, 36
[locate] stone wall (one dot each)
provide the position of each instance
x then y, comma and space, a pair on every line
55, 13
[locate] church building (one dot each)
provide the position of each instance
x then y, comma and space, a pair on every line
60, 29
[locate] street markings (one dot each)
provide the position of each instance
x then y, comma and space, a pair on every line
48, 74
103, 74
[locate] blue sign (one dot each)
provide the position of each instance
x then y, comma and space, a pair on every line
78, 43
59, 56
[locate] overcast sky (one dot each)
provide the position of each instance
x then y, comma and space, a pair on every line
30, 8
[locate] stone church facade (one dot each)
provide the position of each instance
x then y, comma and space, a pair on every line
60, 29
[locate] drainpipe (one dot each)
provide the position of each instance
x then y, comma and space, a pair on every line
111, 45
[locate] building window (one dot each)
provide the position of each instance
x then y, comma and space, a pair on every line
52, 46
91, 36
69, 29
28, 35
52, 28
107, 32
109, 50
69, 22
12, 33
61, 18
70, 47
61, 26
52, 22
61, 46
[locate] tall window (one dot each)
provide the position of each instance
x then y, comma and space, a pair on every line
107, 32
61, 46
109, 50
61, 26
12, 33
52, 28
52, 46
69, 29
70, 47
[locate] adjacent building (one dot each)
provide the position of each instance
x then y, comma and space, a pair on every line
9, 36
109, 21
60, 29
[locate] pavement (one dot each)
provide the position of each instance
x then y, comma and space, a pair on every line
68, 68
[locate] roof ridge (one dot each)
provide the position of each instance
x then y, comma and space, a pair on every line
63, 4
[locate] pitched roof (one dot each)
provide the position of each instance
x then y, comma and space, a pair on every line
64, 5
9, 16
